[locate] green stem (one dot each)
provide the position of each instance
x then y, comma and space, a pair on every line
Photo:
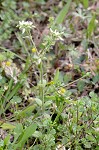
72, 82
41, 88
31, 40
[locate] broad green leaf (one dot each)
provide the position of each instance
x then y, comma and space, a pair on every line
91, 26
27, 133
85, 3
18, 131
61, 16
7, 126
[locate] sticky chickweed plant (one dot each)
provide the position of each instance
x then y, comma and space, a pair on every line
48, 116
37, 57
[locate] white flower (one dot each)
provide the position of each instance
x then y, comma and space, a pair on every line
60, 147
57, 34
25, 25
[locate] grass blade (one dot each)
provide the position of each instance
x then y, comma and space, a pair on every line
61, 16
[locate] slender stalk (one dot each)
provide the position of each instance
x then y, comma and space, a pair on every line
31, 40
72, 82
77, 117
41, 73
41, 88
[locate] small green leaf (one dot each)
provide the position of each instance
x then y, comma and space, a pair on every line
80, 85
47, 103
87, 145
93, 96
56, 78
38, 101
15, 100
37, 134
2, 57
67, 78
96, 78
50, 97
7, 126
